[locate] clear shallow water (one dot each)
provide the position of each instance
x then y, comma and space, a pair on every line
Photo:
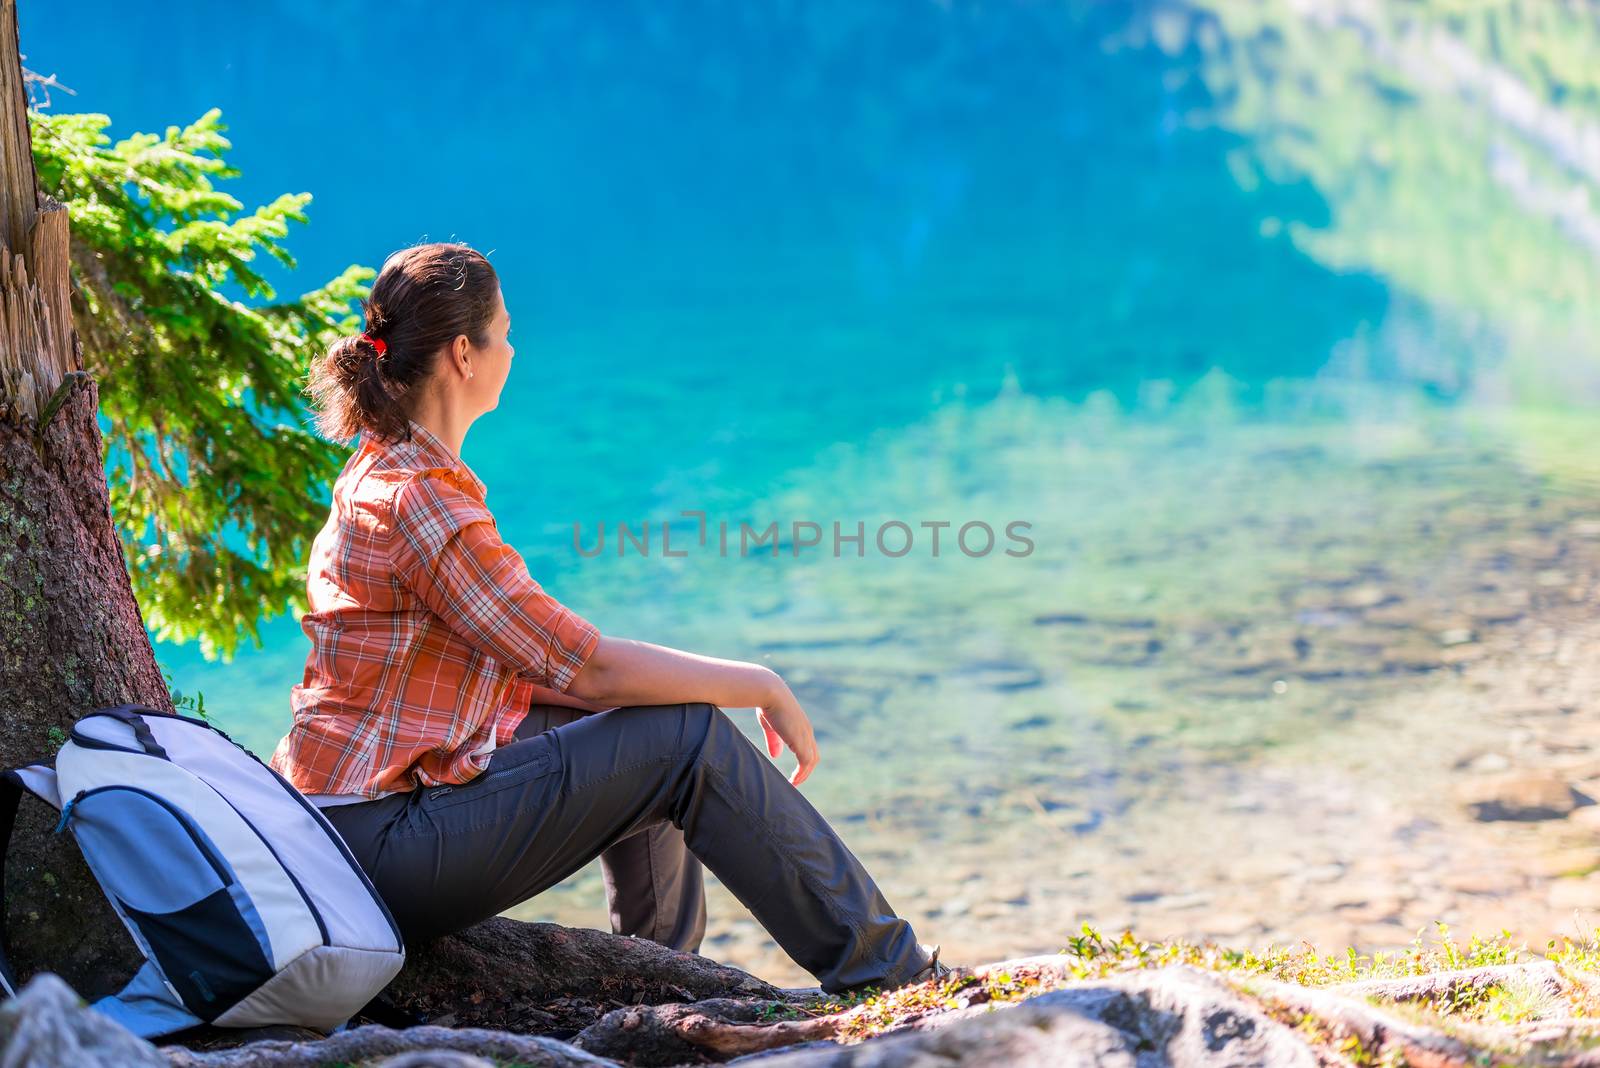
1267, 328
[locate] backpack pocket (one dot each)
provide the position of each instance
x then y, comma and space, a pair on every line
179, 897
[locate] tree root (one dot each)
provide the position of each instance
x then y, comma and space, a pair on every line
720, 1029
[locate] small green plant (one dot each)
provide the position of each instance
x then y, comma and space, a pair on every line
773, 1011
56, 737
194, 704
1515, 1002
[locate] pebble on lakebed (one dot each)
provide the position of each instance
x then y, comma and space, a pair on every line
1536, 795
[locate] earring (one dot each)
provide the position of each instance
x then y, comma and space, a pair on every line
471, 373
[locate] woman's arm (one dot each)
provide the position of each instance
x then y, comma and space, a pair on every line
544, 695
622, 671
448, 552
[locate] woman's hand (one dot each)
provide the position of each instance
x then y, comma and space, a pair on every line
785, 722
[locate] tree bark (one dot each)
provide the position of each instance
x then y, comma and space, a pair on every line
71, 635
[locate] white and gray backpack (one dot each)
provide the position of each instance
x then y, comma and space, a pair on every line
246, 904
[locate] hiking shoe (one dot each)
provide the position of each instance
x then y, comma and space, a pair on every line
934, 969
931, 970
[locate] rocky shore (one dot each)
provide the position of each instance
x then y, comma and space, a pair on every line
1099, 1001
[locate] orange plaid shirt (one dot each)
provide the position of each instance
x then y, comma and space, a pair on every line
428, 636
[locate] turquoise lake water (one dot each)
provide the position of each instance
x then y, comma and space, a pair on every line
1227, 302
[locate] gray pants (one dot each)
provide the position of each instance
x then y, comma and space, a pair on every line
649, 789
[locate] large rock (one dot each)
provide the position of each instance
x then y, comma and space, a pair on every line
1179, 1017
48, 1026
414, 1047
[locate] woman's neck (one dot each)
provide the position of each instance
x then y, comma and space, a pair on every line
442, 422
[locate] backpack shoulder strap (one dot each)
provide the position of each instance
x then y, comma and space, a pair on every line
40, 781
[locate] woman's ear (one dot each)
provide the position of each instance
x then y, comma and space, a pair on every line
458, 354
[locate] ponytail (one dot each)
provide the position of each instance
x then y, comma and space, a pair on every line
424, 298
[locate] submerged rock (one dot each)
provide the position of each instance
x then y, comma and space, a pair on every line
1522, 796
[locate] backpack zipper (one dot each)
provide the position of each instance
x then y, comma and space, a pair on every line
66, 812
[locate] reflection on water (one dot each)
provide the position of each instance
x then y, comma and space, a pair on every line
1272, 319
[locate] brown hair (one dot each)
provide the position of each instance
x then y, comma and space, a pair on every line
424, 297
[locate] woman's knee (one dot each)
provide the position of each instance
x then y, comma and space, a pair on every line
682, 728
709, 730
714, 718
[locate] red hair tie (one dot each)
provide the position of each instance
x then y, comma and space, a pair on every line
376, 342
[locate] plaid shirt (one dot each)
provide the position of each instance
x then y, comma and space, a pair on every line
428, 635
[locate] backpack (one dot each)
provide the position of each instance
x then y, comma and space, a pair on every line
247, 905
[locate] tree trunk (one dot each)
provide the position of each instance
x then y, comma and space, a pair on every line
71, 636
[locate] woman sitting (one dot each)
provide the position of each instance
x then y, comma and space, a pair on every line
475, 741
